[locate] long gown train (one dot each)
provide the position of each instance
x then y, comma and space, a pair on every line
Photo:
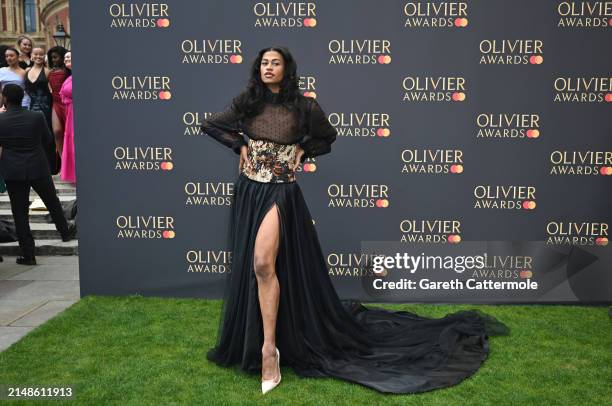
319, 335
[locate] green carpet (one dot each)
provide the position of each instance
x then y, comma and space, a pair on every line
136, 350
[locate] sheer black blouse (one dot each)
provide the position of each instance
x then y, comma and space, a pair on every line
275, 123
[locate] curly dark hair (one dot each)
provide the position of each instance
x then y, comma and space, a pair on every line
250, 102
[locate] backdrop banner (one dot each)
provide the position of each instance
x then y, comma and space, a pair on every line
473, 162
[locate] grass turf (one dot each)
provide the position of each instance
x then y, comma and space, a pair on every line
136, 350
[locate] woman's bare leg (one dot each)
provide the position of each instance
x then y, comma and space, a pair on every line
266, 249
58, 131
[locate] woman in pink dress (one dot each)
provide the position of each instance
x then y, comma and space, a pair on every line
67, 173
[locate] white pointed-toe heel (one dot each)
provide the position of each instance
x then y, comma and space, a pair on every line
268, 384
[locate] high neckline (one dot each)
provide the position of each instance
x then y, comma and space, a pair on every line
271, 97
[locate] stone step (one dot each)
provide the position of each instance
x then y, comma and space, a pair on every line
45, 231
35, 216
43, 247
60, 191
5, 202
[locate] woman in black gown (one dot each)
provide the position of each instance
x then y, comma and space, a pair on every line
279, 303
38, 88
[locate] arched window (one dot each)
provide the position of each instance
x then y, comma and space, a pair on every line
29, 15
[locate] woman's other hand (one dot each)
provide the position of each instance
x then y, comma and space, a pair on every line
299, 151
243, 157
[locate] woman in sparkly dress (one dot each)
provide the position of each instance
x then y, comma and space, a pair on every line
280, 307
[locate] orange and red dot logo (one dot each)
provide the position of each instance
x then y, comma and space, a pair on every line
309, 166
384, 59
529, 204
165, 95
383, 132
382, 202
453, 239
310, 22
163, 23
536, 59
456, 168
461, 22
168, 234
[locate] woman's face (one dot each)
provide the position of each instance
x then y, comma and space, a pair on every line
38, 56
12, 58
25, 46
68, 60
272, 68
55, 59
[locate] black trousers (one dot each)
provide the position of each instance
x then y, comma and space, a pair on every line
19, 194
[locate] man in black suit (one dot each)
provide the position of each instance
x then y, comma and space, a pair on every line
23, 164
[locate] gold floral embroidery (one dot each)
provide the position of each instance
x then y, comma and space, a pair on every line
270, 162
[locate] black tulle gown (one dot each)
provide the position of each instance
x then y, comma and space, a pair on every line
317, 334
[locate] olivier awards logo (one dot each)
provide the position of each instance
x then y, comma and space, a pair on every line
145, 88
192, 122
510, 197
341, 195
208, 261
508, 126
505, 267
209, 193
433, 89
307, 84
431, 231
511, 52
581, 163
574, 233
145, 227
359, 52
143, 158
584, 14
350, 264
281, 14
361, 124
139, 15
583, 89
430, 14
211, 51
433, 161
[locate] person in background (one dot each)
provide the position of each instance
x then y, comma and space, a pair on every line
3, 49
68, 172
56, 77
38, 88
25, 45
13, 73
23, 165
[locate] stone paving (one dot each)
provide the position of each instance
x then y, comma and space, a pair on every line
31, 295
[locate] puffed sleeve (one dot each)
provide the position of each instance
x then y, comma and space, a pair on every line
321, 133
225, 128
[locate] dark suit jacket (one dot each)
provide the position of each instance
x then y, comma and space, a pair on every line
22, 135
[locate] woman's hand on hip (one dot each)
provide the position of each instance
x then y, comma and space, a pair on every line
299, 151
243, 157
